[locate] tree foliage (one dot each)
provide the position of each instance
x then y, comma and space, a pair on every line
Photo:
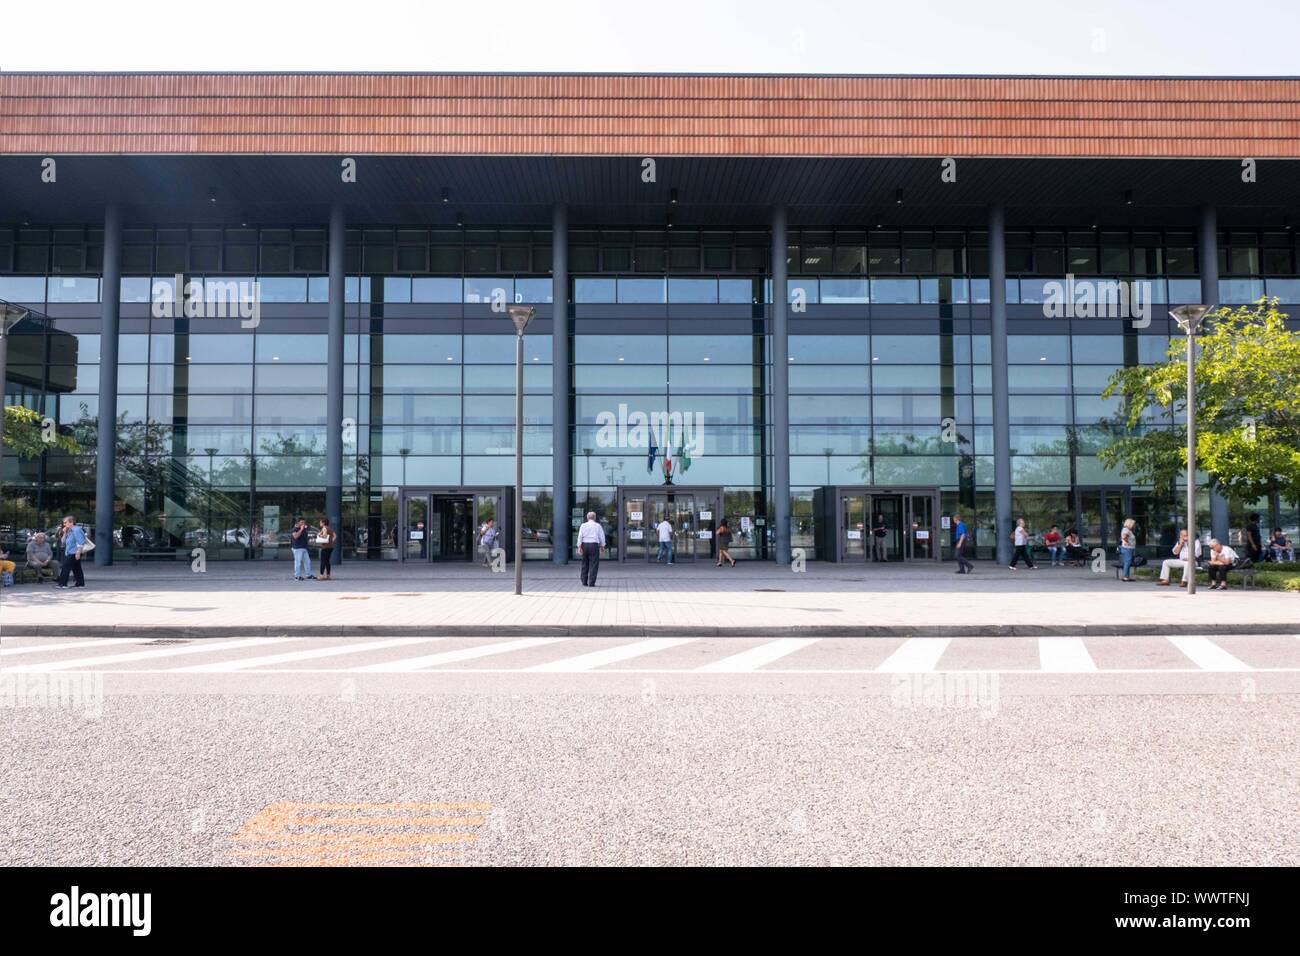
25, 433
1247, 407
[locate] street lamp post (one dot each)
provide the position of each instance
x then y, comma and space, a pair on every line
1189, 319
520, 315
10, 315
211, 452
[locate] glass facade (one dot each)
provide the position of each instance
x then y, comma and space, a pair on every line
222, 428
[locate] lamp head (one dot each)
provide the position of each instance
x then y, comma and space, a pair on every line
1189, 317
521, 315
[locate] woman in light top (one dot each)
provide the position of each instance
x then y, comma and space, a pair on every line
1020, 538
1127, 548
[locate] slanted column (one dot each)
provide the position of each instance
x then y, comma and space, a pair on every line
780, 388
110, 288
562, 488
334, 373
1001, 386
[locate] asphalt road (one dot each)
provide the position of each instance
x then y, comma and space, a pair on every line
1106, 751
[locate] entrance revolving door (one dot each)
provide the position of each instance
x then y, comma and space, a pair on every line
692, 516
876, 525
445, 524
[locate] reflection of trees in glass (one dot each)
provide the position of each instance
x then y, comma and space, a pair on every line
24, 433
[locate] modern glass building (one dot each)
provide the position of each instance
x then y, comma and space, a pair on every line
811, 307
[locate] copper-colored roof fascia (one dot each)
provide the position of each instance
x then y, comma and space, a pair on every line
668, 114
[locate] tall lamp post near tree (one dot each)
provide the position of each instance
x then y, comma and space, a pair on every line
1189, 318
520, 315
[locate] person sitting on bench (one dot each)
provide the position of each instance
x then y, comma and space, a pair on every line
1179, 560
1280, 547
40, 556
1222, 559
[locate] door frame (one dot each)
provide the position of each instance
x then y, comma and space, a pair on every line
1099, 492
710, 494
504, 518
833, 509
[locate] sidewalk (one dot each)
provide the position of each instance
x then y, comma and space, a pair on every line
261, 598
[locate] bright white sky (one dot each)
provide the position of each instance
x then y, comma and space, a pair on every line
1189, 37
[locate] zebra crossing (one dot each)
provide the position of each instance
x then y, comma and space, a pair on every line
1175, 653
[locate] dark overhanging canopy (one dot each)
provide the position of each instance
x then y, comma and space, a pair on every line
711, 191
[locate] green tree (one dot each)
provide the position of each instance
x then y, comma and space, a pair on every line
25, 433
1247, 407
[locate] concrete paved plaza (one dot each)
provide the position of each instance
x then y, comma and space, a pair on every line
631, 600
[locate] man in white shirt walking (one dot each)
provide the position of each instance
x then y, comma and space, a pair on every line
665, 542
1179, 560
591, 541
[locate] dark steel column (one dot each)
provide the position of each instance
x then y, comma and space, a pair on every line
1209, 269
106, 446
561, 488
1001, 395
780, 388
334, 374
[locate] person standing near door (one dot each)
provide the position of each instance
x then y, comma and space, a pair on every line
959, 542
878, 532
1020, 538
665, 530
325, 537
724, 545
591, 541
300, 543
488, 541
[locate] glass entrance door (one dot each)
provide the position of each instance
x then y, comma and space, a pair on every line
922, 543
678, 510
416, 546
1101, 516
886, 524
451, 520
854, 531
442, 527
693, 516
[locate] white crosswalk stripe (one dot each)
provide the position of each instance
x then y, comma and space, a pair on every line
1207, 655
756, 657
207, 646
612, 655
917, 654
85, 642
1198, 654
313, 654
456, 656
1064, 655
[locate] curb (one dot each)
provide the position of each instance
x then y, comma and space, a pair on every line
638, 630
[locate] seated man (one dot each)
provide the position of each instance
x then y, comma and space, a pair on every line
1179, 560
1221, 560
1279, 547
40, 556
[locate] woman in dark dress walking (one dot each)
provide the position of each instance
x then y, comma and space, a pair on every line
724, 544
